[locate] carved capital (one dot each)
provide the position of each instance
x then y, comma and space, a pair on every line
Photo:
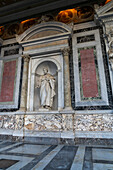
26, 57
65, 51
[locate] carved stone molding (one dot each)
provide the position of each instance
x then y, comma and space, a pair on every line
1, 41
65, 51
111, 61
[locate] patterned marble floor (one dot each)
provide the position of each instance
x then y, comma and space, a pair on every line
29, 156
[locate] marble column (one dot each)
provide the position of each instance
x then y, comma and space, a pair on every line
23, 102
67, 89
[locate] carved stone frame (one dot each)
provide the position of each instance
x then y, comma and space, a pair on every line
57, 59
15, 103
104, 96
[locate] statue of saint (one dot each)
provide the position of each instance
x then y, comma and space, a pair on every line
46, 84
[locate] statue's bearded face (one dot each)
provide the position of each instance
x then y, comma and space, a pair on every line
45, 70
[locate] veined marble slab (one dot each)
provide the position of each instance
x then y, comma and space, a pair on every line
45, 161
79, 158
30, 149
10, 146
102, 154
102, 166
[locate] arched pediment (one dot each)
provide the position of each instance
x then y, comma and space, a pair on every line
44, 30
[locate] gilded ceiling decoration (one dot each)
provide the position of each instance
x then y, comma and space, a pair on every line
28, 23
75, 15
1, 30
107, 1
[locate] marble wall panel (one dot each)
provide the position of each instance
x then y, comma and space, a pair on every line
19, 122
43, 122
68, 122
58, 122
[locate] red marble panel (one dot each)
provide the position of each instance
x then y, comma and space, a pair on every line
8, 81
88, 69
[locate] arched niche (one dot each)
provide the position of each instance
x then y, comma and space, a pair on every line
54, 64
52, 70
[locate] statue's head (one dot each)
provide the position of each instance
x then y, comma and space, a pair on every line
45, 70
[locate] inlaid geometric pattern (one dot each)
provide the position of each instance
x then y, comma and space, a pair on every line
55, 157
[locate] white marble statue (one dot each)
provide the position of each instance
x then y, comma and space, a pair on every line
46, 83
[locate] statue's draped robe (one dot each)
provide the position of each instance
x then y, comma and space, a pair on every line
47, 90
